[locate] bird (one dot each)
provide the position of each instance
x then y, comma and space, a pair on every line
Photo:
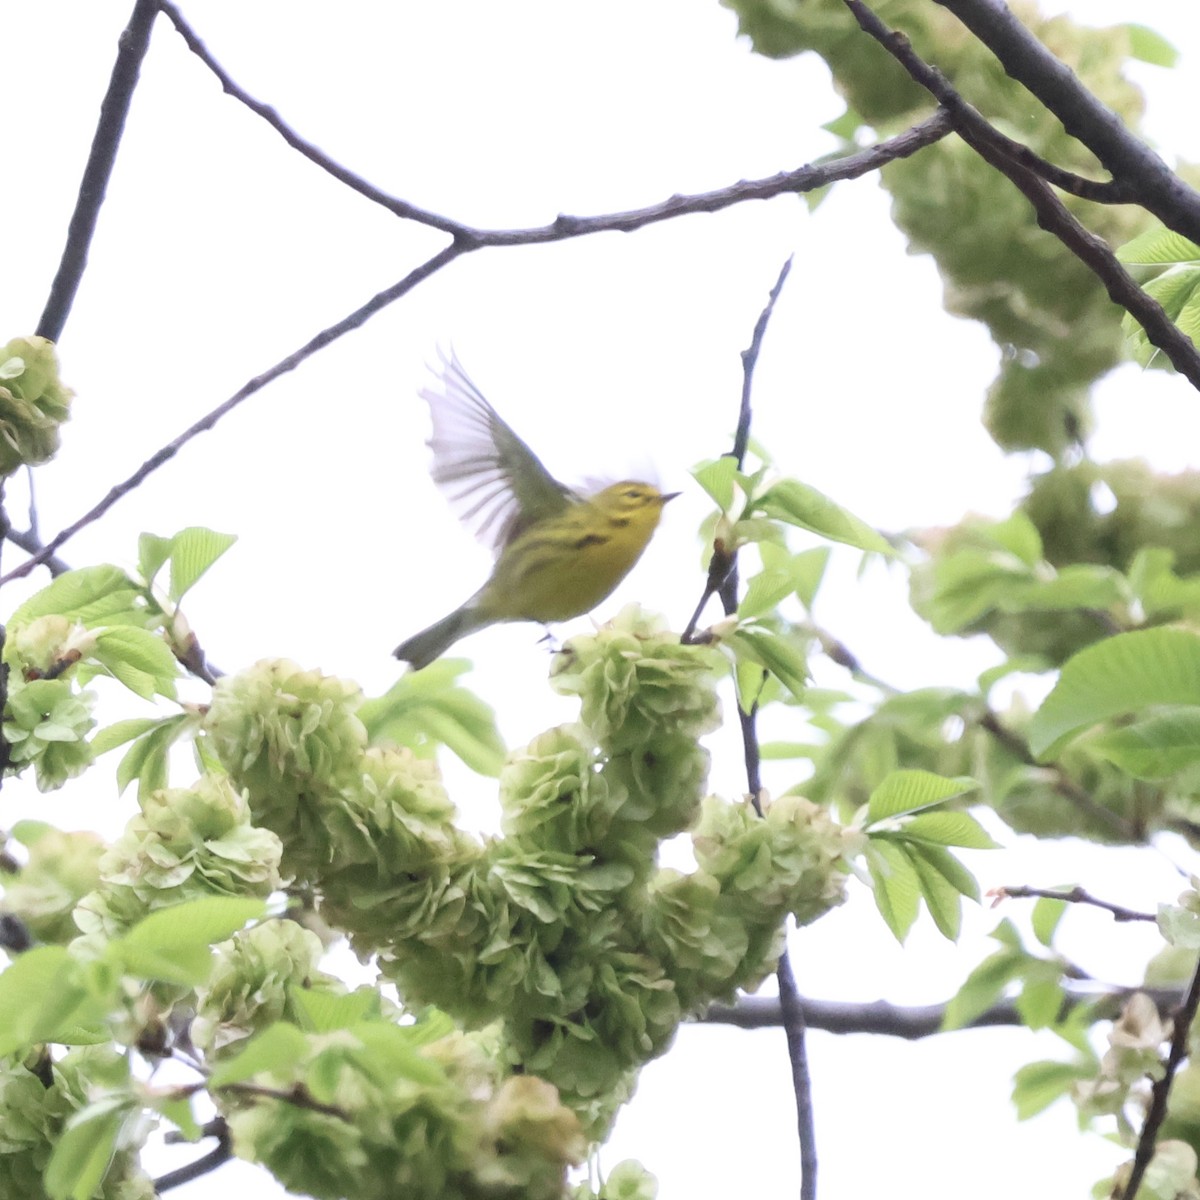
558, 553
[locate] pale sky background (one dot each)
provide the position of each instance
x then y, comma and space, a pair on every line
220, 251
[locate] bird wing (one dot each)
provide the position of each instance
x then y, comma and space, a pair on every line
495, 483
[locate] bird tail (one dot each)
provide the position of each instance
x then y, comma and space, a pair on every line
422, 648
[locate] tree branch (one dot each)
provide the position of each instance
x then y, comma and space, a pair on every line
221, 1153
132, 46
1052, 215
914, 1022
1161, 1090
1141, 174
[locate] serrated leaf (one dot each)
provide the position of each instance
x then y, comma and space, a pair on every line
139, 658
781, 656
749, 678
277, 1048
173, 944
949, 829
764, 591
40, 996
941, 897
120, 732
85, 1149
906, 791
798, 504
323, 1012
74, 592
153, 552
896, 885
1155, 747
1158, 247
941, 860
1121, 674
717, 479
193, 551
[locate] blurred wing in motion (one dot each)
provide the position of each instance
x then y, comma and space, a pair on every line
495, 483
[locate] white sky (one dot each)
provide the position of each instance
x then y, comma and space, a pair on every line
220, 251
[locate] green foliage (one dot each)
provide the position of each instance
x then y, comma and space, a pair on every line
33, 403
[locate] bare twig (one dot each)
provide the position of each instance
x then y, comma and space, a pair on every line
132, 46
1052, 215
1075, 895
1139, 172
1148, 1138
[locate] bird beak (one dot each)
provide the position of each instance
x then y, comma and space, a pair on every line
670, 496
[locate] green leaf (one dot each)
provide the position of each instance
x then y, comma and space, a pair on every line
153, 551
193, 551
41, 997
173, 944
76, 593
896, 885
323, 1012
798, 504
120, 732
750, 679
717, 479
278, 1048
1180, 926
779, 655
941, 897
1038, 1084
906, 791
1149, 46
1018, 535
983, 987
139, 658
1158, 247
85, 1148
1040, 1000
1121, 674
147, 759
179, 1111
1045, 918
1155, 747
939, 859
948, 829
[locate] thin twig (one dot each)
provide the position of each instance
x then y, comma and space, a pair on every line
359, 317
1148, 1138
1075, 895
791, 1008
132, 46
32, 544
1052, 215
804, 179
1135, 167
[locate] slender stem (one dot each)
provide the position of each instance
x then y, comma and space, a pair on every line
1075, 895
132, 46
1148, 1139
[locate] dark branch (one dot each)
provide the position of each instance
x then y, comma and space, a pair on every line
1052, 214
132, 46
1148, 1139
359, 317
31, 544
221, 1153
356, 183
1137, 170
912, 1023
1075, 895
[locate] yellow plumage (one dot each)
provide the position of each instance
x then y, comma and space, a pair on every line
558, 553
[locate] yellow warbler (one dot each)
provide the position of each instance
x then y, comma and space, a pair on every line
558, 554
